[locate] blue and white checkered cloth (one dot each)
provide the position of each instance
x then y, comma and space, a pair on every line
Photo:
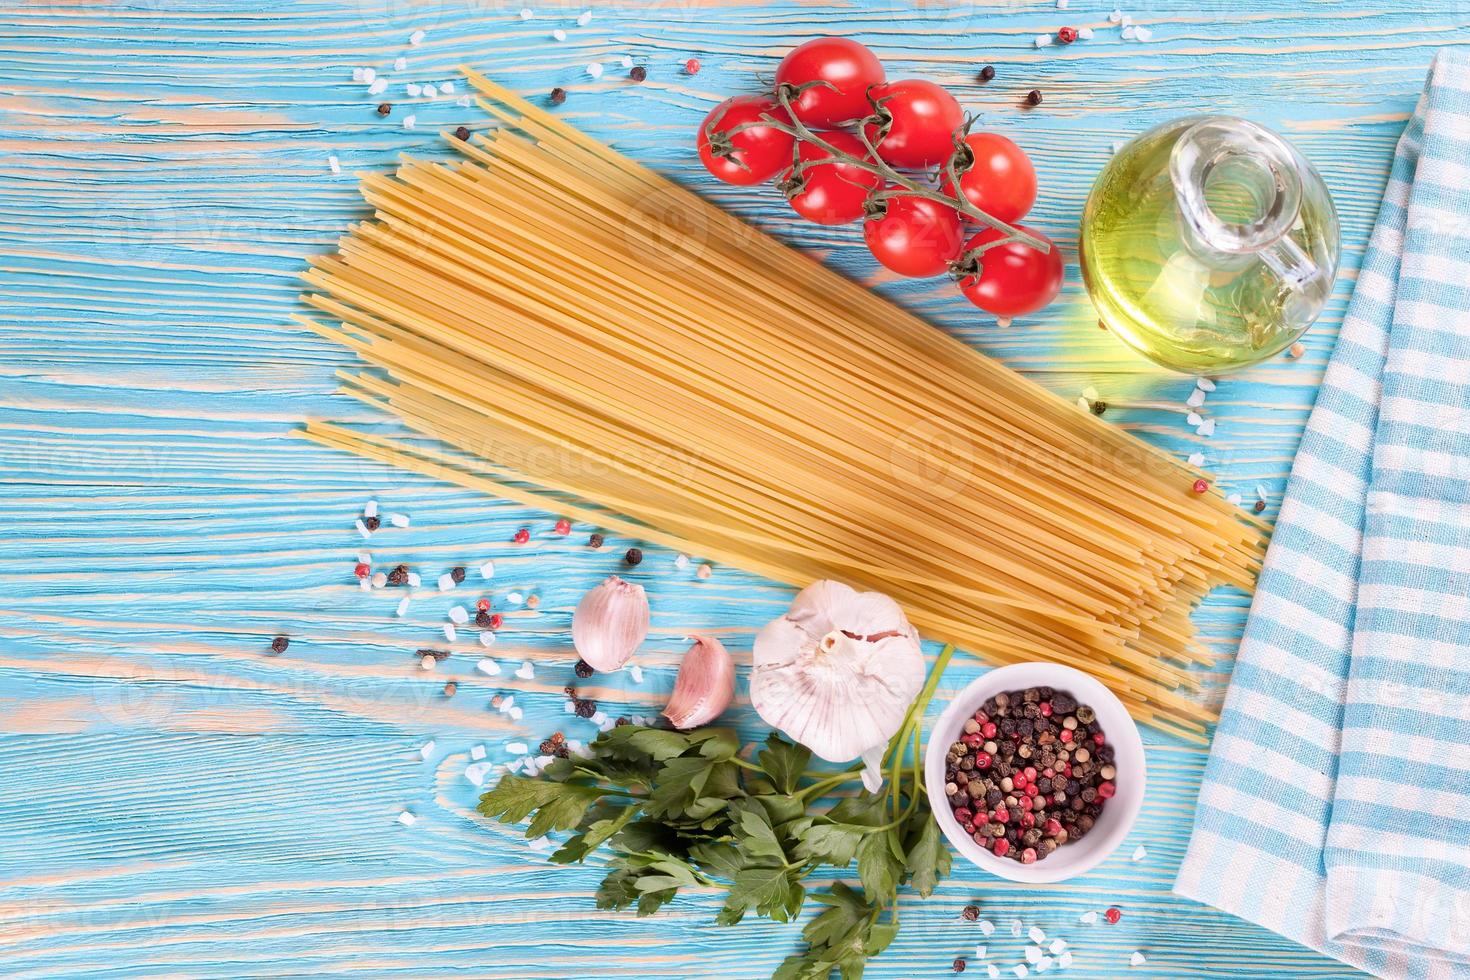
1335, 808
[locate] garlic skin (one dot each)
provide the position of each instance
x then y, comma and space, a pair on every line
837, 673
705, 686
609, 624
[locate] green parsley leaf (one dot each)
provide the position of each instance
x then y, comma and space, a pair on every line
784, 762
558, 806
927, 859
880, 866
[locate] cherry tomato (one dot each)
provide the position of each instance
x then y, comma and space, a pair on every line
996, 176
751, 155
846, 65
916, 123
831, 193
1013, 279
915, 236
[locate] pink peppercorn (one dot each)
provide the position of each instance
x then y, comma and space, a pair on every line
1052, 827
982, 760
1098, 738
563, 526
1105, 791
1065, 735
963, 814
1028, 856
1201, 485
1025, 803
522, 536
1002, 847
973, 740
1001, 815
1046, 709
988, 729
1028, 820
1049, 772
362, 570
1112, 915
483, 605
1030, 772
691, 67
1066, 35
982, 717
496, 620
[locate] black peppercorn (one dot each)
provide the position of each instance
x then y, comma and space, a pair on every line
594, 541
585, 709
372, 523
462, 134
638, 73
482, 619
457, 573
279, 644
399, 575
633, 556
384, 108
624, 720
558, 95
1260, 506
959, 964
987, 73
1033, 97
583, 669
547, 747
1099, 407
971, 913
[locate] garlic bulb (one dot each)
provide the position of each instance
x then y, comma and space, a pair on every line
705, 686
837, 673
609, 624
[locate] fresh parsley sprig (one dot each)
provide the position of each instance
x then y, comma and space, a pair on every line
685, 809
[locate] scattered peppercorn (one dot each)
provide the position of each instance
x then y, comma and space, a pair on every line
1113, 915
547, 747
1201, 485
496, 620
279, 644
638, 73
691, 67
583, 669
585, 708
558, 95
1033, 97
362, 569
436, 654
462, 133
959, 964
522, 536
450, 688
987, 73
633, 556
594, 541
622, 721
384, 108
971, 913
372, 523
1260, 506
1099, 407
1066, 35
457, 573
533, 601
704, 571
482, 619
563, 526
483, 604
399, 575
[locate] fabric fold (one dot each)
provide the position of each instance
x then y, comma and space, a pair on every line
1335, 808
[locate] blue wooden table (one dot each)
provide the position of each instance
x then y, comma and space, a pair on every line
177, 802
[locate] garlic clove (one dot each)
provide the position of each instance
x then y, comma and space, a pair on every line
705, 685
610, 622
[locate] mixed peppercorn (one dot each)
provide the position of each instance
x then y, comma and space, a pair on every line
1030, 772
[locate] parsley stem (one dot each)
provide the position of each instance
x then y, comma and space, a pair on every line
746, 765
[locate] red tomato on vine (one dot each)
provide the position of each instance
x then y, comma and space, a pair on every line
995, 175
914, 236
1013, 279
749, 156
848, 69
830, 193
915, 123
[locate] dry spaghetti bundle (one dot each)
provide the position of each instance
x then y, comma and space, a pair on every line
555, 315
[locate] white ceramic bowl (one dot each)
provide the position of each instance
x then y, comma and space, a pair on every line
1117, 815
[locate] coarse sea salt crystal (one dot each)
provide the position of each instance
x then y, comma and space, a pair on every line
370, 509
980, 952
544, 760
598, 717
1194, 418
526, 671
1206, 428
1196, 398
410, 121
407, 819
1033, 953
1116, 16
1063, 4
1260, 492
559, 35
361, 527
427, 749
477, 752
463, 100
417, 38
402, 607
1139, 853
1021, 970
1204, 384
568, 707
626, 61
991, 970
514, 598
515, 713
487, 638
1137, 959
364, 557
487, 570
1016, 927
400, 63
1143, 33
369, 74
1090, 393
526, 13
1043, 40
1082, 404
1044, 964
584, 18
986, 928
446, 88
515, 765
1088, 918
378, 87
488, 667
1056, 947
475, 772
506, 703
398, 520
681, 561
1085, 33
446, 582
458, 614
595, 70
365, 585
413, 89
1233, 498
636, 672
517, 748
1129, 33
1065, 960
414, 580
357, 74
450, 633
1196, 459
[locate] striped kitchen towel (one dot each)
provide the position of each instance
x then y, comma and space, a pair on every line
1335, 809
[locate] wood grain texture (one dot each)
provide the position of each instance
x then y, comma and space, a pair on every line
178, 803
